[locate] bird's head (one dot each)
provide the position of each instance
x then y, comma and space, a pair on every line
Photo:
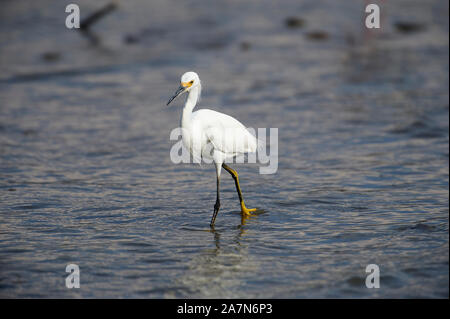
189, 81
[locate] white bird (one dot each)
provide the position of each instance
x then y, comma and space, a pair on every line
213, 135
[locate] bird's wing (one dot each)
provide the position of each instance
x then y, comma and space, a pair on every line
226, 134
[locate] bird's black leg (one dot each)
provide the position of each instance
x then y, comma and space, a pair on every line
216, 205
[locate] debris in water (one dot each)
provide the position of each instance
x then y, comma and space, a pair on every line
97, 15
51, 56
294, 22
317, 35
245, 46
409, 27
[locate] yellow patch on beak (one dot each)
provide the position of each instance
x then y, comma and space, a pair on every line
186, 84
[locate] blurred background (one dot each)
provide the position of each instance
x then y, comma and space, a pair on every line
86, 177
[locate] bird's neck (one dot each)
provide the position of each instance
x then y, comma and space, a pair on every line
191, 101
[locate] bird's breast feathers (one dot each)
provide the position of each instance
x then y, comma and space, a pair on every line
223, 132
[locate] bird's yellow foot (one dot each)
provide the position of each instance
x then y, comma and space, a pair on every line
246, 211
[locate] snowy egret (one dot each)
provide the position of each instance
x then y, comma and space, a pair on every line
212, 135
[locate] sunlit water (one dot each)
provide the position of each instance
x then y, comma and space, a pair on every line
86, 177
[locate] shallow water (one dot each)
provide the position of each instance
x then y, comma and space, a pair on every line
86, 177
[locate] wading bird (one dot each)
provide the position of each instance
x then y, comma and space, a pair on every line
213, 135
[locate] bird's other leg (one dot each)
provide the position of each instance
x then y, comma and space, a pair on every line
244, 210
217, 204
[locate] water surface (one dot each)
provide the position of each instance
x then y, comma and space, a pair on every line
86, 177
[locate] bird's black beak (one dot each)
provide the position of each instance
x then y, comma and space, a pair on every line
178, 92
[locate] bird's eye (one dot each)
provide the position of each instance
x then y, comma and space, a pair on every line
192, 81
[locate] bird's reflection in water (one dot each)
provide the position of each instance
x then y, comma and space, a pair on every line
241, 230
219, 271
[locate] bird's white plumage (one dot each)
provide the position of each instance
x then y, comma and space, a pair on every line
211, 134
225, 133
